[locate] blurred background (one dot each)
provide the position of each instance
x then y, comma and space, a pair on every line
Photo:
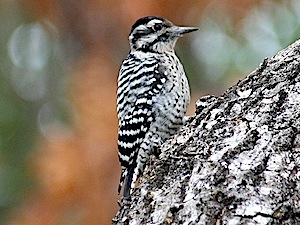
59, 62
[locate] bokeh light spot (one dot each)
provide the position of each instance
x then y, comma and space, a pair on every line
29, 84
29, 46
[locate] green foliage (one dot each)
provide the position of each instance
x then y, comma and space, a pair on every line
31, 86
228, 51
17, 123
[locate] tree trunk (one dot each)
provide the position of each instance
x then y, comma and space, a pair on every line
237, 161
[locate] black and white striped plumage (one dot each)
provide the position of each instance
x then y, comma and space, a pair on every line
153, 94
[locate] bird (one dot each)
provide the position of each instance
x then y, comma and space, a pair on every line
152, 96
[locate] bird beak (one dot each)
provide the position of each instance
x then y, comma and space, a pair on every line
179, 31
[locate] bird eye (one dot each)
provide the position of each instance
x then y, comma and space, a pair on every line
158, 26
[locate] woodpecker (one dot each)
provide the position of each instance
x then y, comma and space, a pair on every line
153, 94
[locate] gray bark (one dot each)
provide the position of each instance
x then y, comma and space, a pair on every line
236, 161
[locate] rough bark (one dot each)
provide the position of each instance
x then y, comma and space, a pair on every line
237, 161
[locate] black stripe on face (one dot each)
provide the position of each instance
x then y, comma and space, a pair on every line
162, 38
144, 21
141, 33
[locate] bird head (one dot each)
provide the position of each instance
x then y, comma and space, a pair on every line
156, 34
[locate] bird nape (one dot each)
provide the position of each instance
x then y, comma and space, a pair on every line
153, 94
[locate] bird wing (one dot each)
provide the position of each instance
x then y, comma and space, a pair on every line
135, 111
131, 134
